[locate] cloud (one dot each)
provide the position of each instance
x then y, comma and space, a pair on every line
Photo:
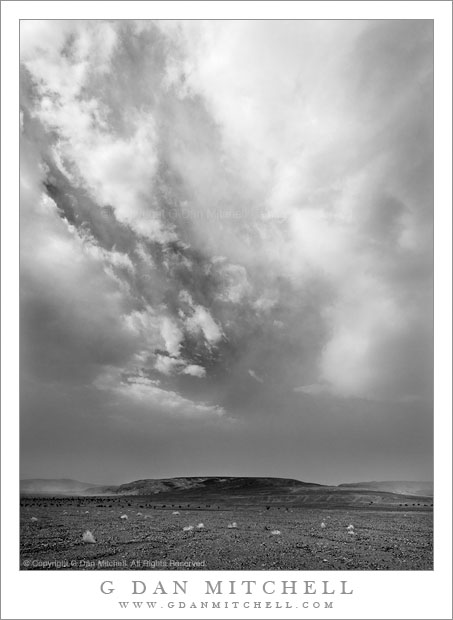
170, 366
202, 321
191, 211
117, 171
313, 389
172, 336
253, 374
73, 303
339, 152
305, 152
167, 365
235, 283
156, 400
148, 327
194, 370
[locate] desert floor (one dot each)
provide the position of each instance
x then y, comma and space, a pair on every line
278, 537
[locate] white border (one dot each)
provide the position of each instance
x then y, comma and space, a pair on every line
76, 594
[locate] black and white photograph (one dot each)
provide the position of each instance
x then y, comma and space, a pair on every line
226, 310
226, 295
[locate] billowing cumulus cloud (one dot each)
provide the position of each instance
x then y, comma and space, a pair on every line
194, 370
202, 322
229, 220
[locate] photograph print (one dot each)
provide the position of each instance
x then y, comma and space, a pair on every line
226, 295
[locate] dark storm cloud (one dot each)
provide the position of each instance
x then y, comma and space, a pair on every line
220, 259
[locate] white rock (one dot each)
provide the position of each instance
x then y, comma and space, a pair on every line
124, 517
88, 537
187, 528
275, 532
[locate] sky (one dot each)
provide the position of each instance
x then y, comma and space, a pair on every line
226, 234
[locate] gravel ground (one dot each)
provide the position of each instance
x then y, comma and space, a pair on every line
264, 539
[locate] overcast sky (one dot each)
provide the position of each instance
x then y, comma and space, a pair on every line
226, 249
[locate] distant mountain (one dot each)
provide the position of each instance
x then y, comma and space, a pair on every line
225, 485
218, 490
399, 486
61, 486
211, 484
207, 490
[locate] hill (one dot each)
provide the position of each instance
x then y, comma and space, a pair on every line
213, 484
395, 486
229, 490
149, 486
60, 486
255, 490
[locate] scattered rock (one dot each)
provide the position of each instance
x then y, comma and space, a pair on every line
88, 537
